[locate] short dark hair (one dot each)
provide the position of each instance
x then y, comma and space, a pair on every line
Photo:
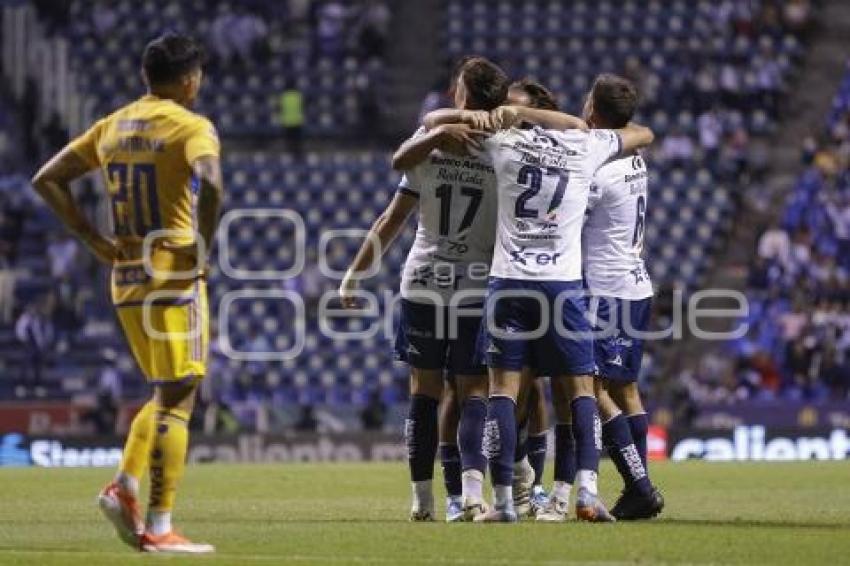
486, 84
540, 96
171, 56
614, 100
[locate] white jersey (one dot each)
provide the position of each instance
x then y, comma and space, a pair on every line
457, 224
543, 184
613, 232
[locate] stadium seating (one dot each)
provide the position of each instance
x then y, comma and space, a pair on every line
564, 45
241, 99
550, 40
799, 297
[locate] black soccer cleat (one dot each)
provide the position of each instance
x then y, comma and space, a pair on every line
632, 506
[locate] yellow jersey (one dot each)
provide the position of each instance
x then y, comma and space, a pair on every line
146, 150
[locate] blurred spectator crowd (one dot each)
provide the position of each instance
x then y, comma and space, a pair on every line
798, 346
711, 74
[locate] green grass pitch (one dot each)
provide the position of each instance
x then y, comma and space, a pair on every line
795, 513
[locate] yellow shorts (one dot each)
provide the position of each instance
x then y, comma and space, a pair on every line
166, 322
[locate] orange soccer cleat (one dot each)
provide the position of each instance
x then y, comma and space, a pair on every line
172, 543
122, 509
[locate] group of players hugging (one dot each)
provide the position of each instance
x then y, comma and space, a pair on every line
516, 200
526, 263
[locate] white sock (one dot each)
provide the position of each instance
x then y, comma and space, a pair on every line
503, 495
158, 522
473, 485
587, 479
128, 483
561, 490
423, 494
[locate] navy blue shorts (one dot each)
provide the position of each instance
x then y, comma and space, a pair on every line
564, 346
425, 342
619, 354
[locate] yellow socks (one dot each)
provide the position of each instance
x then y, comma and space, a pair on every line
137, 449
168, 458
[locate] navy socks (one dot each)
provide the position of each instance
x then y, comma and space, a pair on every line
421, 433
639, 425
450, 459
617, 437
587, 433
565, 453
536, 445
470, 430
500, 436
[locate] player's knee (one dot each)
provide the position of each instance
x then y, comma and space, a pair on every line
469, 386
178, 395
538, 417
449, 417
505, 383
608, 409
632, 403
426, 382
581, 386
626, 396
563, 411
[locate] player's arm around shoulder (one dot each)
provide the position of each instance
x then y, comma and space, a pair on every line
634, 136
507, 116
453, 138
477, 119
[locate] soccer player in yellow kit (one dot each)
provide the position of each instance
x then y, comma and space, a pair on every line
163, 175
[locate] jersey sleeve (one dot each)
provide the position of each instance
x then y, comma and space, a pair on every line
202, 141
407, 186
602, 146
85, 145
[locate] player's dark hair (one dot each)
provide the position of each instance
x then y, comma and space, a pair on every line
540, 96
169, 57
614, 100
486, 84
